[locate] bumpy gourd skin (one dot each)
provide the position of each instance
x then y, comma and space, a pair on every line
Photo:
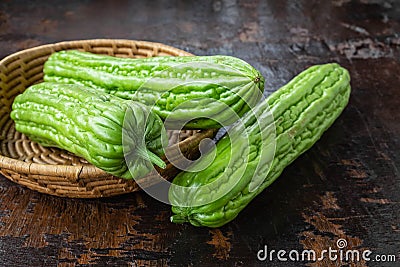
167, 83
302, 110
91, 124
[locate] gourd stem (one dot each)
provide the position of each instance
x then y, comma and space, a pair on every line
177, 218
147, 154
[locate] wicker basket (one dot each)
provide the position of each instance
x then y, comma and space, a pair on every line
55, 171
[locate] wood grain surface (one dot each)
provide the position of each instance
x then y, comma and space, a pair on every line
345, 187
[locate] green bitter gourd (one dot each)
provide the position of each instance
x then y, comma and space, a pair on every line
302, 110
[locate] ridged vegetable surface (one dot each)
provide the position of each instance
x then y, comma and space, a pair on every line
302, 110
180, 88
97, 126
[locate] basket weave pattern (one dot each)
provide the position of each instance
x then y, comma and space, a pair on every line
55, 171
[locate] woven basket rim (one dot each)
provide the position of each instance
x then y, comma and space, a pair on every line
82, 170
61, 43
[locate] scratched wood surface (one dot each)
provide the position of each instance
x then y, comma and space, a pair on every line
347, 186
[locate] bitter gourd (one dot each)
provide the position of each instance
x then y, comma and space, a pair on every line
182, 89
302, 110
92, 125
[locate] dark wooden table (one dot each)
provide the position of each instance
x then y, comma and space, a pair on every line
347, 186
